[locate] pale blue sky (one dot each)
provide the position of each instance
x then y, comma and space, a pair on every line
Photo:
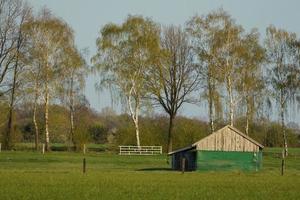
86, 17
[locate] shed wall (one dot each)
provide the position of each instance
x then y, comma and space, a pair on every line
222, 160
190, 160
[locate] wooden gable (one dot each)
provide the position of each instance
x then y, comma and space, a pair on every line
228, 139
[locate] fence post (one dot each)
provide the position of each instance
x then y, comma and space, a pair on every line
183, 165
0, 147
43, 148
84, 148
84, 166
282, 163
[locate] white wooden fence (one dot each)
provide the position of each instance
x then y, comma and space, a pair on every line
140, 150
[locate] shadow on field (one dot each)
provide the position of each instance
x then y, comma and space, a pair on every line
155, 169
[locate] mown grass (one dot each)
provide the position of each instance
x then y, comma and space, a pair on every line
58, 175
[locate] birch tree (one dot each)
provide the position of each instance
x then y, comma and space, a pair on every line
284, 74
203, 31
33, 83
49, 39
250, 79
124, 53
75, 71
229, 44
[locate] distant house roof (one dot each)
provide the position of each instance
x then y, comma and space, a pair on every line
225, 129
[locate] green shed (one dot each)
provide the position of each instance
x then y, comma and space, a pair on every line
225, 149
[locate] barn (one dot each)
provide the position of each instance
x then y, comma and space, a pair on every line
225, 149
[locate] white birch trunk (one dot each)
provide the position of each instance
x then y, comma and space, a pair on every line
231, 103
247, 117
71, 113
46, 114
34, 115
285, 146
134, 113
210, 102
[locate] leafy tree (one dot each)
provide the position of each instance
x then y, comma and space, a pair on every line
124, 53
251, 83
50, 38
73, 82
228, 41
203, 30
284, 74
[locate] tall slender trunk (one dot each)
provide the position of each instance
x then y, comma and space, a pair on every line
71, 139
36, 139
170, 133
247, 117
9, 133
134, 112
47, 147
247, 126
8, 144
284, 145
210, 103
10, 130
231, 106
137, 132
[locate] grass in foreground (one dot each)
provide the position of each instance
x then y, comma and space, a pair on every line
30, 175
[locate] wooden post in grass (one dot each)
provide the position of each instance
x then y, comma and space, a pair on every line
183, 165
83, 148
0, 147
84, 166
43, 148
282, 163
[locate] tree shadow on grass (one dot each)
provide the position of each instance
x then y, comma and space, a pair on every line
155, 169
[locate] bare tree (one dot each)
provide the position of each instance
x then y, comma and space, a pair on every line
174, 77
14, 14
9, 12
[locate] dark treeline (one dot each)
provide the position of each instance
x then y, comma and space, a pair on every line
113, 130
209, 60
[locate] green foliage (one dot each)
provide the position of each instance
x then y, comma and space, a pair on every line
98, 133
58, 123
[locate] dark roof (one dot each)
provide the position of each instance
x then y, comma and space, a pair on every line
182, 149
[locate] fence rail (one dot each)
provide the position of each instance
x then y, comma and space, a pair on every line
140, 150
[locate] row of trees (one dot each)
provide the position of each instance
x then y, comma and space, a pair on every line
109, 130
40, 64
211, 57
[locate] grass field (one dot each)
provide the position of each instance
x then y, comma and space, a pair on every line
58, 175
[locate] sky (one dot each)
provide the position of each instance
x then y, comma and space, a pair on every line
86, 17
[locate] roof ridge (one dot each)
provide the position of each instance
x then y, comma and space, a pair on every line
244, 135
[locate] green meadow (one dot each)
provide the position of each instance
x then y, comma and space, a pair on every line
58, 175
